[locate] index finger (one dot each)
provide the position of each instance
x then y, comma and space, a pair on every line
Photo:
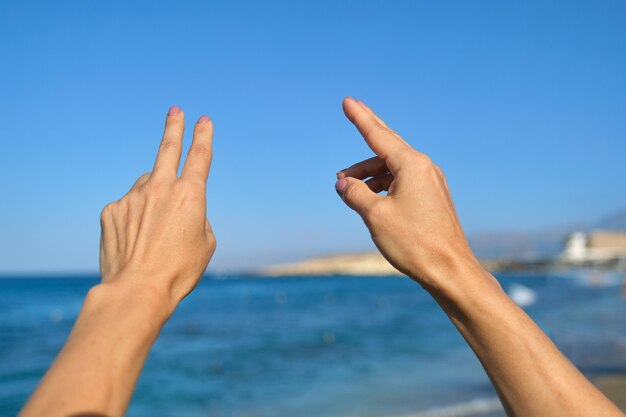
200, 154
379, 120
168, 158
378, 136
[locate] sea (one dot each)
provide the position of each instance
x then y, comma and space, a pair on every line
312, 347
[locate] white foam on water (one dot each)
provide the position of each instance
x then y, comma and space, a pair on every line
473, 407
522, 295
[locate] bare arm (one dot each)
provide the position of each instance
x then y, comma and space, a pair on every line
155, 246
417, 229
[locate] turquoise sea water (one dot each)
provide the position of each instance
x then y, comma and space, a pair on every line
339, 346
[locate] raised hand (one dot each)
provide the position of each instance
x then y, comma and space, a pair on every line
157, 236
155, 245
415, 226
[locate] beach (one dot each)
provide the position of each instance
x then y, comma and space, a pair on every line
614, 387
317, 346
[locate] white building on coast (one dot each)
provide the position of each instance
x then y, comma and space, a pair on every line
597, 247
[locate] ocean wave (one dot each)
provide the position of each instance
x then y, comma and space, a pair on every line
522, 295
475, 407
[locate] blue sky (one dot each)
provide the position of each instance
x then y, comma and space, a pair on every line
523, 104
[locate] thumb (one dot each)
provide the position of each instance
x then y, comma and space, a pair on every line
356, 194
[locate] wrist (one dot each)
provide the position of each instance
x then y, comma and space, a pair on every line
458, 279
122, 294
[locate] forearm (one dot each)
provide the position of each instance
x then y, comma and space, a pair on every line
98, 367
417, 229
529, 373
156, 243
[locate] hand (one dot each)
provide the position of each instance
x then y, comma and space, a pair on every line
157, 238
415, 226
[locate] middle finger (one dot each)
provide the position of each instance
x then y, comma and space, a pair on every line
365, 169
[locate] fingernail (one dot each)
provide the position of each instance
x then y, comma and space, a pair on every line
339, 173
174, 110
340, 185
203, 119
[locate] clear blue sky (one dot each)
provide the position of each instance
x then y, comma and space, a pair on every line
522, 103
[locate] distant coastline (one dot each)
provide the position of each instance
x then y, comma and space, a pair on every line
364, 263
374, 264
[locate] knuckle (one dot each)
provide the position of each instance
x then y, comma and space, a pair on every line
441, 176
191, 189
425, 160
349, 191
201, 149
108, 211
122, 203
175, 121
169, 144
204, 127
425, 163
191, 186
154, 188
407, 158
212, 242
140, 182
197, 185
105, 214
144, 177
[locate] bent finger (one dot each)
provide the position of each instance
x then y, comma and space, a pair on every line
380, 183
364, 169
357, 195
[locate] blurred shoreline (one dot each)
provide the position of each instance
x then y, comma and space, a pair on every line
614, 387
374, 264
598, 250
611, 385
